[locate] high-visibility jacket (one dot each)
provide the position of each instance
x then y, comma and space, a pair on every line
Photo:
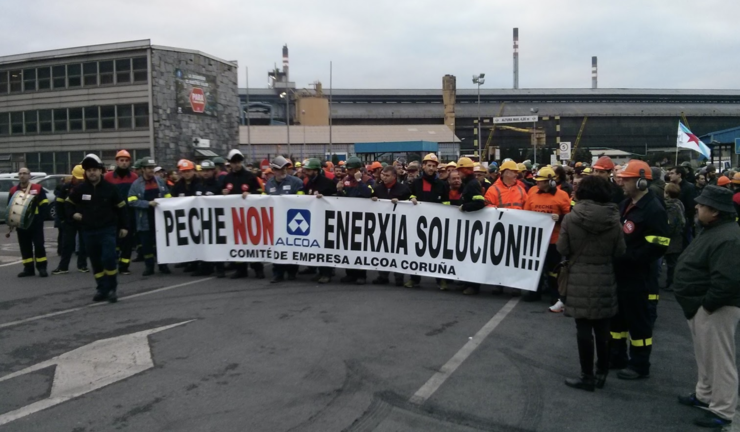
552, 202
502, 196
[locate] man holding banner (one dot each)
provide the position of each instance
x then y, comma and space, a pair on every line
472, 200
317, 184
283, 184
390, 189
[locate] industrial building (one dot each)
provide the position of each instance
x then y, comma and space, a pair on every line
55, 106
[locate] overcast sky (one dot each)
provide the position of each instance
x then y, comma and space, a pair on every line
413, 43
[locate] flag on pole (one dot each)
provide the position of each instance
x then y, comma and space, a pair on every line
687, 140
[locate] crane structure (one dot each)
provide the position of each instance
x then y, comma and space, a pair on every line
580, 134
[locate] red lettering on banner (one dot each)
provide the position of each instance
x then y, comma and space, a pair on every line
240, 228
267, 226
254, 228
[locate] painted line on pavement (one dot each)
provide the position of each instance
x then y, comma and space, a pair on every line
11, 263
435, 382
68, 311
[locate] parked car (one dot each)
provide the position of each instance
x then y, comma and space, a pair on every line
5, 185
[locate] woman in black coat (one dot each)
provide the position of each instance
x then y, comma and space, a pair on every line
591, 237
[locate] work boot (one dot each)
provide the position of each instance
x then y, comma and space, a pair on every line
585, 382
148, 271
112, 297
58, 271
276, 279
630, 374
442, 285
601, 379
316, 277
410, 284
471, 291
100, 296
42, 273
324, 280
26, 273
380, 281
692, 401
83, 270
164, 269
124, 270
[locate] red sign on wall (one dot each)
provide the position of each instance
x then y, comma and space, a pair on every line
197, 100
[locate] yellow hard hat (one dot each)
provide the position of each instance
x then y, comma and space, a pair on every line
736, 178
481, 169
465, 162
587, 171
78, 172
545, 173
508, 165
452, 165
431, 157
198, 168
521, 167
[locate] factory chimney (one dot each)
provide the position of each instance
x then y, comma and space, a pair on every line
594, 73
285, 62
516, 57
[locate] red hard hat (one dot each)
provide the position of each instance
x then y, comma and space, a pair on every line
123, 154
604, 163
184, 165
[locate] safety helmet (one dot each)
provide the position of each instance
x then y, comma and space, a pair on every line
341, 163
452, 165
604, 163
207, 165
312, 164
375, 165
413, 166
527, 164
521, 167
92, 161
123, 154
509, 165
235, 156
578, 164
636, 169
78, 172
148, 162
354, 163
431, 157
185, 165
492, 168
297, 164
137, 164
544, 174
280, 162
587, 171
465, 162
158, 169
723, 181
218, 160
736, 178
481, 169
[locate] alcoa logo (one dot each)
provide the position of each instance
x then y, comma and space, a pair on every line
299, 222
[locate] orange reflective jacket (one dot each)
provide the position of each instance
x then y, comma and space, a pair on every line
502, 196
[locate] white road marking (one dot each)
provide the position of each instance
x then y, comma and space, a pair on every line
89, 368
11, 263
435, 382
67, 311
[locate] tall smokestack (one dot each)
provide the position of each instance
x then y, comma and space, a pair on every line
516, 57
594, 73
285, 62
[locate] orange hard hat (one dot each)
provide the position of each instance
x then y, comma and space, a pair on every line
375, 165
723, 181
341, 163
123, 154
604, 163
636, 169
736, 178
184, 165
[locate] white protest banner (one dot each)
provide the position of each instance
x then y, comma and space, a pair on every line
491, 246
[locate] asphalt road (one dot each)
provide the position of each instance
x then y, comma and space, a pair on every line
251, 356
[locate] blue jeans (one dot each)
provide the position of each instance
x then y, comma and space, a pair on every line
101, 249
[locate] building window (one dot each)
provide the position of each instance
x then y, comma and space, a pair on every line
75, 157
140, 69
75, 119
92, 117
32, 161
108, 117
59, 76
16, 81
124, 116
60, 120
123, 71
47, 162
106, 72
4, 124
3, 82
29, 80
141, 115
61, 163
90, 70
31, 122
141, 154
45, 121
16, 123
74, 75
44, 78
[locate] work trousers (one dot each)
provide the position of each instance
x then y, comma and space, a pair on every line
31, 242
356, 274
671, 260
549, 281
279, 270
714, 349
256, 266
101, 248
590, 331
125, 248
632, 324
148, 242
69, 244
654, 291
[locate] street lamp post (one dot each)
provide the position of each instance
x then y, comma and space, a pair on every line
534, 136
287, 119
480, 80
303, 121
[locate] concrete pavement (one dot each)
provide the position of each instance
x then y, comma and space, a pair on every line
298, 356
